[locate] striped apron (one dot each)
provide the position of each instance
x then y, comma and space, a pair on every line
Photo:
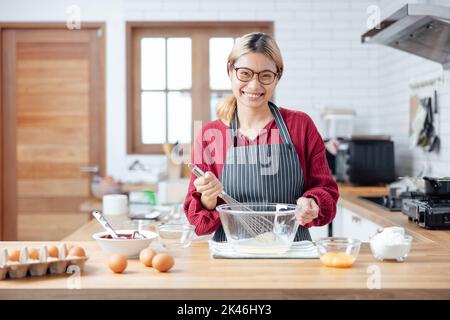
266, 173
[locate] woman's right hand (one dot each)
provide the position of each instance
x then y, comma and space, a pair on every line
210, 187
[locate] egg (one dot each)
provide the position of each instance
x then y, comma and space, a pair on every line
77, 251
146, 256
117, 263
14, 255
53, 252
163, 262
33, 253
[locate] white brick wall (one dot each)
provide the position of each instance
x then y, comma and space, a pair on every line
326, 65
396, 70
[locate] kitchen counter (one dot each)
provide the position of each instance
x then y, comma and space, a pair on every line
385, 218
348, 199
424, 275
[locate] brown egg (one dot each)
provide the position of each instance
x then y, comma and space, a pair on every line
146, 256
117, 263
53, 252
163, 262
33, 253
77, 251
14, 255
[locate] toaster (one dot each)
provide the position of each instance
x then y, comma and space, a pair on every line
365, 161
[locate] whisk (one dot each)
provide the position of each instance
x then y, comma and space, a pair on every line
255, 225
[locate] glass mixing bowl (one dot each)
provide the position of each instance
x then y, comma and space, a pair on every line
259, 228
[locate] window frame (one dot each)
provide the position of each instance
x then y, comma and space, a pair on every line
199, 32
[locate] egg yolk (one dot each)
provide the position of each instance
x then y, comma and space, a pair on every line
337, 260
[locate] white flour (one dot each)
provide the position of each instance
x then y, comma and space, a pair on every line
390, 244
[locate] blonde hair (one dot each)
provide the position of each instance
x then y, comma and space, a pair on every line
255, 42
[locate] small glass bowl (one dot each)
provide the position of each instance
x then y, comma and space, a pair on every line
338, 252
175, 236
137, 224
398, 251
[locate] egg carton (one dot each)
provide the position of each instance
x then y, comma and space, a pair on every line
38, 267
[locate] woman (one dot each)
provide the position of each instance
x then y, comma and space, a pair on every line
258, 152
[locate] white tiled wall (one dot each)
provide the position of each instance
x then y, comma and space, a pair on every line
396, 71
326, 65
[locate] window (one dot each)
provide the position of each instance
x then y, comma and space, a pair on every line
176, 75
166, 83
219, 83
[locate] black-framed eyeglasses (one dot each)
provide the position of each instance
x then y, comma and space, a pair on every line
265, 77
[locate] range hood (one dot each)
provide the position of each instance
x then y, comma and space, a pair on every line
420, 29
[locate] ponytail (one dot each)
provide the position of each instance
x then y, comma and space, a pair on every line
225, 109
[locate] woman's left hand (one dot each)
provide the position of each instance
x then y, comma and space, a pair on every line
309, 210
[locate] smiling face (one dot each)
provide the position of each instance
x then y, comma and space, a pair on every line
253, 94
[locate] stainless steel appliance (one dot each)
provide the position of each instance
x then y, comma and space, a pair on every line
437, 186
431, 213
365, 161
420, 29
429, 209
394, 201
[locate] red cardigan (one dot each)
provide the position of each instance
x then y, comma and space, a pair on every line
209, 154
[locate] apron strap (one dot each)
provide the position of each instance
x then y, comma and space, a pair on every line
285, 136
284, 132
234, 126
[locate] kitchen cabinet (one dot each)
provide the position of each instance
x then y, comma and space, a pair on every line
350, 224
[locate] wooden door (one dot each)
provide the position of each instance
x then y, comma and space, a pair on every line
52, 110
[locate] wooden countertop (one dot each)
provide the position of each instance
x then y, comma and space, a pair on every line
196, 275
348, 199
362, 190
385, 218
424, 275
